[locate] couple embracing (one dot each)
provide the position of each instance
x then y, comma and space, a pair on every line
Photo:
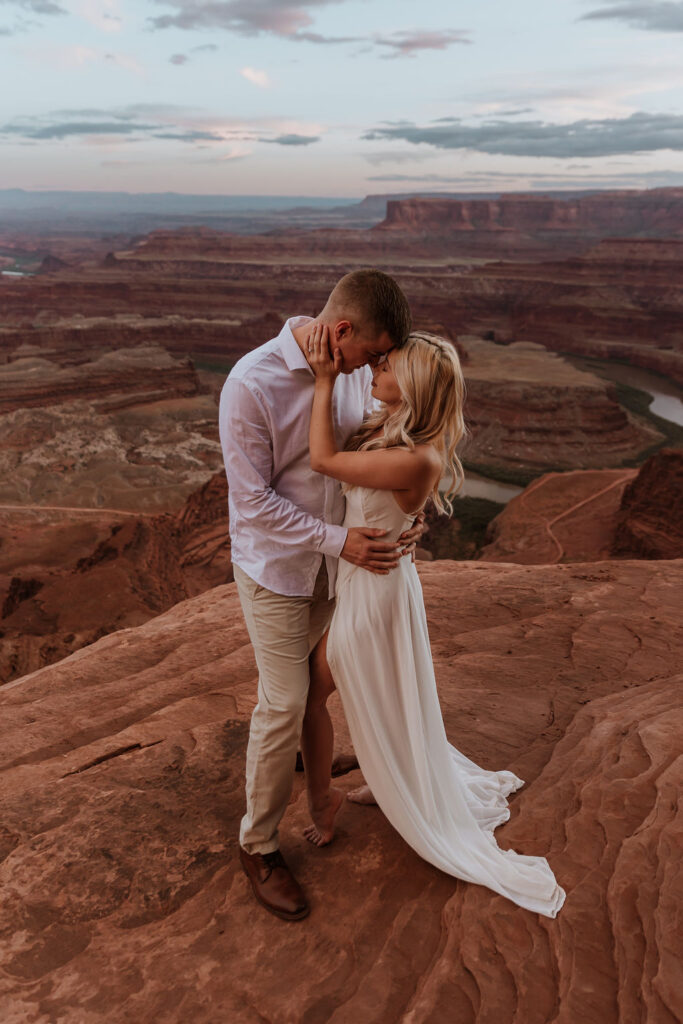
335, 435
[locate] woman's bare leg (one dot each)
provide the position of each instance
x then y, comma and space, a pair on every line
317, 748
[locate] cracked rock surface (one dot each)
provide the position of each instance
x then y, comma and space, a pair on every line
121, 790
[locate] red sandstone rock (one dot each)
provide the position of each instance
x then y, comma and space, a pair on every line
618, 298
122, 789
560, 517
528, 409
657, 212
138, 455
51, 263
649, 523
111, 380
67, 579
591, 515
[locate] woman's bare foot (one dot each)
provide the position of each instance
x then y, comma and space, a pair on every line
362, 795
321, 832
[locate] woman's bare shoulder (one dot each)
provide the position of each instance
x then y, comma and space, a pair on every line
428, 457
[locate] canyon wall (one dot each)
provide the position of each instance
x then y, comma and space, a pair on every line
649, 523
218, 297
108, 380
69, 577
657, 213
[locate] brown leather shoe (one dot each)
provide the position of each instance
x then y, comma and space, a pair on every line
274, 885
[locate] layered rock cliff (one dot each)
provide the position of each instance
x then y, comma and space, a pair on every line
657, 213
109, 380
529, 410
649, 523
68, 577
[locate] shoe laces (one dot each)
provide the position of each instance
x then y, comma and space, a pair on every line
273, 860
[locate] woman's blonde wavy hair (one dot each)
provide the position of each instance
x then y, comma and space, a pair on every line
432, 386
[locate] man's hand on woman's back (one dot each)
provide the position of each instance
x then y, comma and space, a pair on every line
363, 548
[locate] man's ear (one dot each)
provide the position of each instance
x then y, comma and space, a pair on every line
342, 331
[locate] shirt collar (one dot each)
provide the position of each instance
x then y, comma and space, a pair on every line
294, 357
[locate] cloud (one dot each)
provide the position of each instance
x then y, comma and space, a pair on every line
65, 129
514, 111
182, 58
104, 14
77, 56
293, 140
315, 37
35, 6
407, 44
236, 153
122, 60
256, 77
292, 19
158, 123
426, 178
500, 180
655, 17
640, 133
246, 17
191, 135
385, 156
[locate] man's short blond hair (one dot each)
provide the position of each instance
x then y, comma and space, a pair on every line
373, 302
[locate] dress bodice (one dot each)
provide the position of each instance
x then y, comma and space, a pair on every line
368, 506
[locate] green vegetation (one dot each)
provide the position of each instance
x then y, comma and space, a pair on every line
462, 536
633, 399
638, 402
211, 365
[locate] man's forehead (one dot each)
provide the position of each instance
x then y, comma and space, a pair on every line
381, 344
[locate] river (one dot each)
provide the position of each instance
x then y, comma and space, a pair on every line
476, 486
667, 395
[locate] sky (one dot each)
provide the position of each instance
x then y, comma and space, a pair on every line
340, 97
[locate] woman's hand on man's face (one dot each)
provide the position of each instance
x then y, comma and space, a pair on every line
325, 365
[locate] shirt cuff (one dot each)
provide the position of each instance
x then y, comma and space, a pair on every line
334, 540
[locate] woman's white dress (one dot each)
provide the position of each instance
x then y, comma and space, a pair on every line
444, 805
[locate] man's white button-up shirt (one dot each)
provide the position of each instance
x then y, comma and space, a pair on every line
283, 516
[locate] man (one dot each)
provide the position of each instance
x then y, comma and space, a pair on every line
286, 538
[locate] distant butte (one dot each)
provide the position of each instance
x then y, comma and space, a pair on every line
521, 220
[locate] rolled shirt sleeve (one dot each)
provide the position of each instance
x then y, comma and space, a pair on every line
248, 453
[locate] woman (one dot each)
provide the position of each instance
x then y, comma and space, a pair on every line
377, 648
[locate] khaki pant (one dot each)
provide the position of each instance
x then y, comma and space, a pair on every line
283, 631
